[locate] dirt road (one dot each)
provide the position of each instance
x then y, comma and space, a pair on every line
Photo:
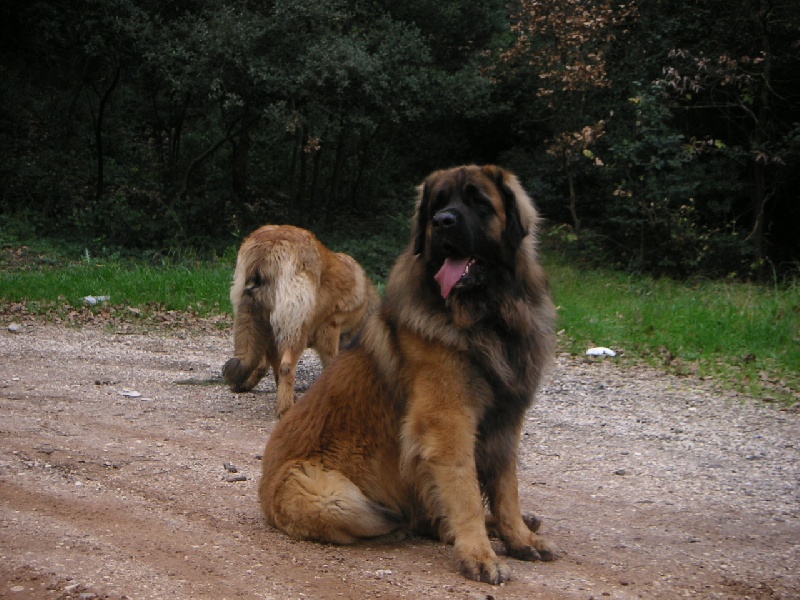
113, 484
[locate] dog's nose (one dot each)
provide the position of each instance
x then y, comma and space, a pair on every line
445, 219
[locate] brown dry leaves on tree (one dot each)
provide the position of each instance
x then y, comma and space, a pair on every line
564, 40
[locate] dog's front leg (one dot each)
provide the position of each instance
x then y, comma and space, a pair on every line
519, 536
439, 438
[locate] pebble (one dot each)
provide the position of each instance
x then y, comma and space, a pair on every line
15, 328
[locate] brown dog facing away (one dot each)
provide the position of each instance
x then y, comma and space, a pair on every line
289, 293
416, 427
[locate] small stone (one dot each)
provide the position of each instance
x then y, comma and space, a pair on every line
620, 472
235, 478
15, 328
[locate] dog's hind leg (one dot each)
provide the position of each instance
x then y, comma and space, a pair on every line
251, 344
295, 299
314, 503
285, 378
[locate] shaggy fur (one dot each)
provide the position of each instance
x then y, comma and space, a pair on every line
290, 292
416, 428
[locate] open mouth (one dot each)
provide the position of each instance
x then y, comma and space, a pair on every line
454, 274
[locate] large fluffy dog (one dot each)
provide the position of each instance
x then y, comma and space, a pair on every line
417, 427
290, 292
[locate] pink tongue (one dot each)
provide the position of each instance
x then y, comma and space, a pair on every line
451, 271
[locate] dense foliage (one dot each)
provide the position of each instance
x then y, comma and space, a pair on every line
660, 136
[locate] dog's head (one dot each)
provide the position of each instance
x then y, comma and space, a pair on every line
470, 222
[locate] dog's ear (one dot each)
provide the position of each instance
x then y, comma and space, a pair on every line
506, 182
515, 230
421, 221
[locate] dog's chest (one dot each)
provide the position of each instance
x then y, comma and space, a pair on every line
506, 359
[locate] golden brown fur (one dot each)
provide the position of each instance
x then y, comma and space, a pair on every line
290, 292
416, 428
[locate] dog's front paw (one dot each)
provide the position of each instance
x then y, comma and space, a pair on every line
547, 550
537, 548
488, 570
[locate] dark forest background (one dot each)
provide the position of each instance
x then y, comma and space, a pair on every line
658, 136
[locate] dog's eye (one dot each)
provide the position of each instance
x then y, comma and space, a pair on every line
483, 204
440, 201
478, 200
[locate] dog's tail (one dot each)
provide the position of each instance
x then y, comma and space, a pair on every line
308, 501
280, 283
293, 300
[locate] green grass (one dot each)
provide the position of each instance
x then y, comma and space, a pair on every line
745, 336
199, 288
40, 282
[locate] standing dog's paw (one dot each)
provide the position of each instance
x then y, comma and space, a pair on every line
235, 375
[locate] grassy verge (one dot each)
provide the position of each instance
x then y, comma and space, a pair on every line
746, 337
46, 282
201, 288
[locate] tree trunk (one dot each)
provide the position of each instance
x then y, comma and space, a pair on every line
229, 136
312, 196
297, 146
239, 159
175, 133
335, 182
573, 200
98, 133
759, 137
338, 167
300, 198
